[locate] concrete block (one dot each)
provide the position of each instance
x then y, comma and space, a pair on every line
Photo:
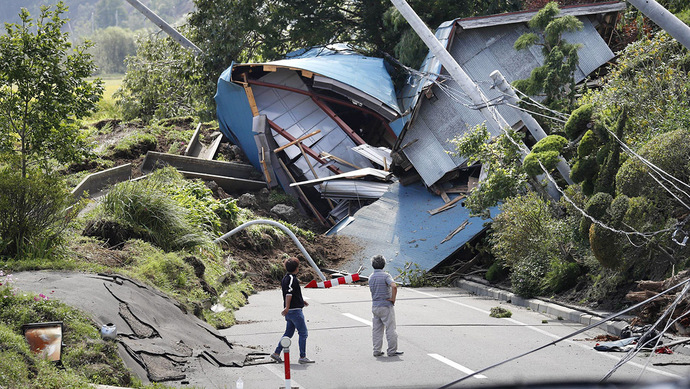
191, 164
229, 184
96, 182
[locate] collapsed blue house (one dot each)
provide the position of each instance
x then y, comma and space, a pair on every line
327, 126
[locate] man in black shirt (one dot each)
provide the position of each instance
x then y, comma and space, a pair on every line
293, 304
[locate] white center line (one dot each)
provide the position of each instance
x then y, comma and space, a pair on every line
359, 319
456, 366
281, 374
539, 330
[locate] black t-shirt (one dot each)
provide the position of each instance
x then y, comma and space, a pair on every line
290, 286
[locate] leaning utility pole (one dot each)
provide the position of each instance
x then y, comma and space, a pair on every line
179, 38
494, 120
664, 19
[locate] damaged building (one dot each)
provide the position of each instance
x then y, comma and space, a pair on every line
328, 127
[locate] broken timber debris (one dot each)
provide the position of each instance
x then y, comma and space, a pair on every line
447, 205
452, 234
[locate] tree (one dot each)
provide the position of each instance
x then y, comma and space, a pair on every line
651, 78
163, 80
501, 157
43, 91
554, 78
110, 48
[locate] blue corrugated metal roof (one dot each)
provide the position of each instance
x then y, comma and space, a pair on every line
399, 227
368, 74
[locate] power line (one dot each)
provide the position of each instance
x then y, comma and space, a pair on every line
606, 319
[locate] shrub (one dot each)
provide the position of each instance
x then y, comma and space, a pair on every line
605, 246
562, 276
32, 213
496, 272
671, 153
577, 123
598, 204
526, 276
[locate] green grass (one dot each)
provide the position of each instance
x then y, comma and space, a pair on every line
107, 109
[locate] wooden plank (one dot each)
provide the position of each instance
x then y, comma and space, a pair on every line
250, 96
296, 141
333, 157
307, 74
270, 68
457, 190
311, 167
308, 150
446, 206
455, 231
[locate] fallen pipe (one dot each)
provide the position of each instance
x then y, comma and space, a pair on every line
285, 230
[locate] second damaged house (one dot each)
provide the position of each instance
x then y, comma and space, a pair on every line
319, 113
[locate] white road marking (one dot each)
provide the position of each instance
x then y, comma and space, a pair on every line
539, 330
359, 319
281, 374
456, 366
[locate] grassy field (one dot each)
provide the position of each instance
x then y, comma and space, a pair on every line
106, 107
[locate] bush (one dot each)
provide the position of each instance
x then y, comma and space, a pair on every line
671, 153
496, 272
32, 213
577, 123
605, 246
562, 276
526, 276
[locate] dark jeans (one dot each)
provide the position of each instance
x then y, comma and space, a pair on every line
295, 320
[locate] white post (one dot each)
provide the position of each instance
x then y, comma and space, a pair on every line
664, 19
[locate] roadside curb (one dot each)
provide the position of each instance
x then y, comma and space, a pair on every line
549, 308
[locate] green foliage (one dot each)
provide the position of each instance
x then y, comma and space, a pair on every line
110, 48
153, 214
578, 120
651, 79
525, 227
163, 80
562, 276
32, 213
496, 272
555, 77
547, 151
413, 276
500, 312
505, 175
671, 153
605, 246
588, 145
526, 276
86, 358
598, 204
135, 145
43, 91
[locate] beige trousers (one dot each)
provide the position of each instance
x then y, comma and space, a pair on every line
384, 318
